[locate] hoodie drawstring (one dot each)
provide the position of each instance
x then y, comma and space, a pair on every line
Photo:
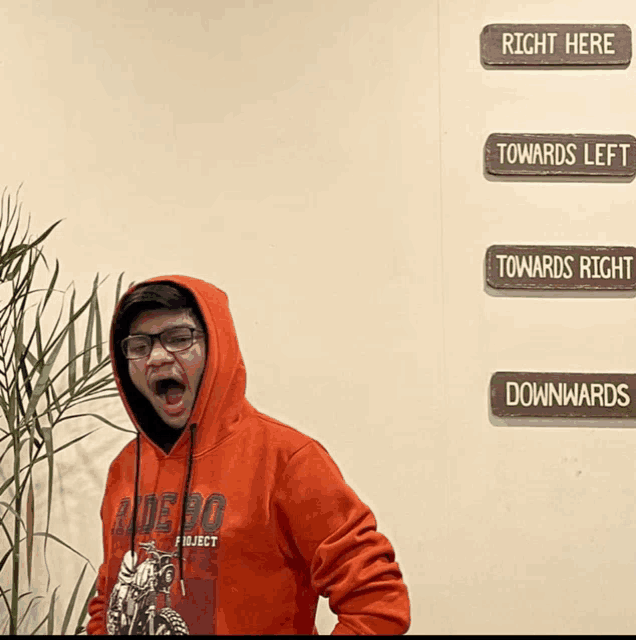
184, 503
136, 499
186, 498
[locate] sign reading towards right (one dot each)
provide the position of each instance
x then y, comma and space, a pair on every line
563, 395
561, 267
560, 154
519, 45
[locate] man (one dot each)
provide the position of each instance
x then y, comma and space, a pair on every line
218, 519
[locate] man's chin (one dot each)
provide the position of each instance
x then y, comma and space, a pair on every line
175, 423
172, 421
176, 426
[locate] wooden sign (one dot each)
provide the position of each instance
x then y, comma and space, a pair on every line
563, 395
564, 268
591, 45
560, 154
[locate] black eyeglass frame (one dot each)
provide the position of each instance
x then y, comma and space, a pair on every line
158, 336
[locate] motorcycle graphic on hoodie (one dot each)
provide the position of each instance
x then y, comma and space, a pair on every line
261, 518
134, 606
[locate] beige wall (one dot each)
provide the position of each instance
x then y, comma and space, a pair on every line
296, 155
540, 514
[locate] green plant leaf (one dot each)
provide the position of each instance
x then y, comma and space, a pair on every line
11, 219
100, 418
48, 443
20, 351
43, 379
50, 535
29, 521
13, 254
6, 602
24, 247
24, 615
71, 604
92, 398
53, 335
15, 514
98, 330
52, 283
39, 363
11, 419
4, 559
5, 408
72, 351
56, 338
47, 406
46, 234
86, 362
51, 622
78, 382
19, 261
84, 611
95, 387
56, 400
46, 617
118, 289
60, 448
6, 484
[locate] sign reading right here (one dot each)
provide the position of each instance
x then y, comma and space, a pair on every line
592, 45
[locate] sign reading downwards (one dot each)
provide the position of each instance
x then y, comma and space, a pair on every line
563, 395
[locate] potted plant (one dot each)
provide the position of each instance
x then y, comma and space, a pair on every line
47, 369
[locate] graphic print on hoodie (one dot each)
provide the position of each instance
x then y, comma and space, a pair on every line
242, 524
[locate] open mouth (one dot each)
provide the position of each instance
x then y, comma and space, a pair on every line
170, 390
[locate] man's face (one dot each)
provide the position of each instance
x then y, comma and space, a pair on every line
169, 381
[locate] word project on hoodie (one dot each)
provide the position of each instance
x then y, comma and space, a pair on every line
242, 524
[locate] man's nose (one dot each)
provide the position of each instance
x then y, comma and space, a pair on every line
158, 352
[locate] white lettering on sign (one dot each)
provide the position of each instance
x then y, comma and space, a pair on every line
527, 43
545, 153
589, 43
601, 154
535, 266
605, 267
548, 394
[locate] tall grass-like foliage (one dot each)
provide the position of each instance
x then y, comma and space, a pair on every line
47, 369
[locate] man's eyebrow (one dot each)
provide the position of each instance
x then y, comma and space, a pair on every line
177, 326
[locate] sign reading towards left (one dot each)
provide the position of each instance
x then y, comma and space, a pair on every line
560, 154
590, 45
563, 395
561, 268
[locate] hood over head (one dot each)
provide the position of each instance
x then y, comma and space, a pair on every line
221, 395
219, 403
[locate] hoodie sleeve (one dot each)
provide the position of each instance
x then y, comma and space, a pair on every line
349, 562
97, 608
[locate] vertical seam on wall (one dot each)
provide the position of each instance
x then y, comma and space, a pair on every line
443, 360
441, 199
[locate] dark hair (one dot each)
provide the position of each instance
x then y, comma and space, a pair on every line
151, 297
148, 297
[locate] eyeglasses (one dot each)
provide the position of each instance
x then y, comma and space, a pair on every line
172, 340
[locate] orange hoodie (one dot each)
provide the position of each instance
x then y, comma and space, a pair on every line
269, 524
